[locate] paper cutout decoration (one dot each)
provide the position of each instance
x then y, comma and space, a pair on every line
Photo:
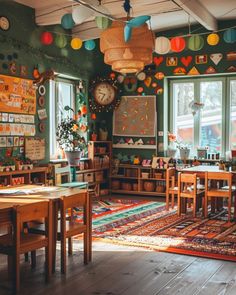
210, 70
154, 84
179, 71
213, 39
158, 60
159, 90
171, 61
186, 60
141, 76
148, 81
194, 71
159, 75
216, 57
162, 45
231, 69
201, 59
231, 56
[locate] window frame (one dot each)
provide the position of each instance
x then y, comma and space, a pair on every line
226, 106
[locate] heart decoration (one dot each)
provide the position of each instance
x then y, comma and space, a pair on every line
216, 57
148, 81
186, 60
158, 60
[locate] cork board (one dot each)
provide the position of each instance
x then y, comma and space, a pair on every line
135, 116
17, 95
35, 148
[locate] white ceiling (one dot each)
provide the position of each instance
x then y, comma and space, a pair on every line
165, 14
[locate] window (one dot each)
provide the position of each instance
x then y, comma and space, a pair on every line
62, 93
207, 126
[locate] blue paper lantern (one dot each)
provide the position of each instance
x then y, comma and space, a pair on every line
67, 21
138, 21
230, 35
127, 33
89, 44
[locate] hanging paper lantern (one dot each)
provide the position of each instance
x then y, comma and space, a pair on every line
76, 43
213, 39
46, 38
89, 44
195, 43
81, 13
60, 41
67, 21
103, 22
162, 45
177, 44
230, 36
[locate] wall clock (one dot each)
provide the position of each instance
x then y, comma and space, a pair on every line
104, 95
4, 23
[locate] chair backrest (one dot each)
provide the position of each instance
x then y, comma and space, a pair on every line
171, 179
217, 180
61, 172
187, 184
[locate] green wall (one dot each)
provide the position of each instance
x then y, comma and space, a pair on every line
22, 41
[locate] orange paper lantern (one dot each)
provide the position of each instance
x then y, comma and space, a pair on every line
177, 44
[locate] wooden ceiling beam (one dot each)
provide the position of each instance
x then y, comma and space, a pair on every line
199, 13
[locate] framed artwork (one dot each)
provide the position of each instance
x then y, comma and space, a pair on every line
3, 141
201, 59
16, 141
135, 116
10, 141
171, 61
42, 114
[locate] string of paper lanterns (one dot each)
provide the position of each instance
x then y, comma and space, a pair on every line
164, 45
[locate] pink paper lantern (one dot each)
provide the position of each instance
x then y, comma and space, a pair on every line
177, 44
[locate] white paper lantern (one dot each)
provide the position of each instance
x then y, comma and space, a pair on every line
162, 45
81, 13
100, 8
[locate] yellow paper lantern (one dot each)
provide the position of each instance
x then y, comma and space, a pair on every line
213, 39
76, 43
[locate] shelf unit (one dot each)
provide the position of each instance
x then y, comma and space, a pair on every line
139, 180
135, 146
37, 175
97, 168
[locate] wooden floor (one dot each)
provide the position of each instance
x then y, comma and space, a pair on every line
127, 271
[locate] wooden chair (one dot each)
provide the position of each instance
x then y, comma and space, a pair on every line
171, 187
70, 228
188, 189
18, 242
219, 185
65, 172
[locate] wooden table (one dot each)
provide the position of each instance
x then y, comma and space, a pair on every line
34, 192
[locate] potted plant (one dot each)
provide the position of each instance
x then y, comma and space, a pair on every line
103, 132
70, 139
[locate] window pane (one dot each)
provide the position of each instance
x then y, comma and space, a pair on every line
211, 115
64, 98
183, 120
233, 114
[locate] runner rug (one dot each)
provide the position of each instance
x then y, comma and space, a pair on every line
147, 224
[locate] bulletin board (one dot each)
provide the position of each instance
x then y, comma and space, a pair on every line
35, 148
17, 95
135, 116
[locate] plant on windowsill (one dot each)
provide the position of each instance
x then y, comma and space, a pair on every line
69, 137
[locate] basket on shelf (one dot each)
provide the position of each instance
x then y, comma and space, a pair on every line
115, 184
127, 186
158, 175
135, 187
145, 174
160, 188
148, 186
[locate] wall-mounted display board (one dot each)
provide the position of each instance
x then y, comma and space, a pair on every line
17, 95
135, 116
35, 148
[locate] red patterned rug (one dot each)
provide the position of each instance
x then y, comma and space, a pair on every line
160, 230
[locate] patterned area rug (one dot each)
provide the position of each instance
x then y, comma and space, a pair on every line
149, 225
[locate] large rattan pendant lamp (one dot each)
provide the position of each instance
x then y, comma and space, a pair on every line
130, 56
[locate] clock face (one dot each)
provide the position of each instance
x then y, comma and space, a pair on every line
4, 23
104, 93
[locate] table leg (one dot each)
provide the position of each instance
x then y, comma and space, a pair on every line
54, 234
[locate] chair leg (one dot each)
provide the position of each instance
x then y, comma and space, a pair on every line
229, 208
86, 247
16, 270
70, 249
63, 254
179, 206
26, 257
234, 206
205, 206
172, 200
9, 266
167, 202
33, 259
48, 259
194, 207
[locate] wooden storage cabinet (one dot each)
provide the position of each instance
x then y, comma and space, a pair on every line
37, 175
136, 179
97, 174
